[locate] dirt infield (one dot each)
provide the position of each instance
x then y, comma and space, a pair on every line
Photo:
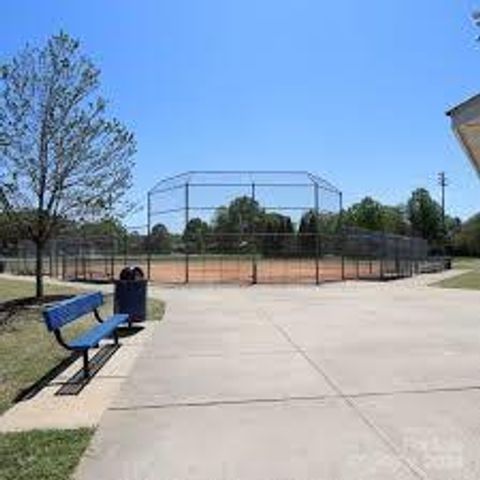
243, 270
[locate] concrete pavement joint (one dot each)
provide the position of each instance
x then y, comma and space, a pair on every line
215, 403
305, 398
223, 355
414, 469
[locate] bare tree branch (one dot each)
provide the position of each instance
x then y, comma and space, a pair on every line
64, 158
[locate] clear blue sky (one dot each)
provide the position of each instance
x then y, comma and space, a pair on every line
354, 91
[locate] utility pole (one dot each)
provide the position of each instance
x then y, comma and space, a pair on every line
443, 182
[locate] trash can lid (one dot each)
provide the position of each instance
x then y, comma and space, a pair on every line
137, 273
126, 274
131, 273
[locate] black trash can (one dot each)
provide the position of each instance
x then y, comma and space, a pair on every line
131, 294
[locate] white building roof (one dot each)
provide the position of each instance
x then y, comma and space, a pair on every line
466, 125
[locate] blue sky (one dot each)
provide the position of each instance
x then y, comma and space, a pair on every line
354, 91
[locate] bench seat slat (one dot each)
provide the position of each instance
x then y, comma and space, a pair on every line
92, 337
70, 310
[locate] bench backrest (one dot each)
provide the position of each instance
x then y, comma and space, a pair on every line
69, 310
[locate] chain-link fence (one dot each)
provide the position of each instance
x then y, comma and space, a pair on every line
265, 227
81, 257
233, 227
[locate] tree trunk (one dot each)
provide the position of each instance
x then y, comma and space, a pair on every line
39, 270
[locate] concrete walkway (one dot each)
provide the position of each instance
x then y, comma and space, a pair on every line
346, 381
47, 409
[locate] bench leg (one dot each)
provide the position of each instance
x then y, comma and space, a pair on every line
115, 336
86, 370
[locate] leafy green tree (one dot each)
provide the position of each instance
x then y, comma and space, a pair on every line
328, 223
160, 240
245, 215
453, 226
64, 158
466, 240
368, 214
176, 240
106, 227
106, 235
233, 225
11, 234
308, 231
196, 236
395, 220
223, 235
277, 234
424, 215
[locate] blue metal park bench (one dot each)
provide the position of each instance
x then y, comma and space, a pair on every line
75, 308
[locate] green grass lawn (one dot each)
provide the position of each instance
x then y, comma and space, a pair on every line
468, 280
42, 454
466, 263
27, 350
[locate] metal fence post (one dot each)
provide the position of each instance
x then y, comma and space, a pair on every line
397, 258
383, 252
84, 260
56, 260
112, 257
342, 234
187, 208
50, 262
26, 266
317, 234
149, 226
254, 241
125, 249
412, 256
64, 266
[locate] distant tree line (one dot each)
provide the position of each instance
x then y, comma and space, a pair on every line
244, 226
235, 225
421, 216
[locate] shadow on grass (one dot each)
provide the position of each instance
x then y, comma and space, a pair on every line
75, 384
32, 390
93, 280
10, 308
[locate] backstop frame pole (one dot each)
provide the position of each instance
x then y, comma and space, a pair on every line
317, 233
149, 227
342, 234
187, 215
383, 254
254, 255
